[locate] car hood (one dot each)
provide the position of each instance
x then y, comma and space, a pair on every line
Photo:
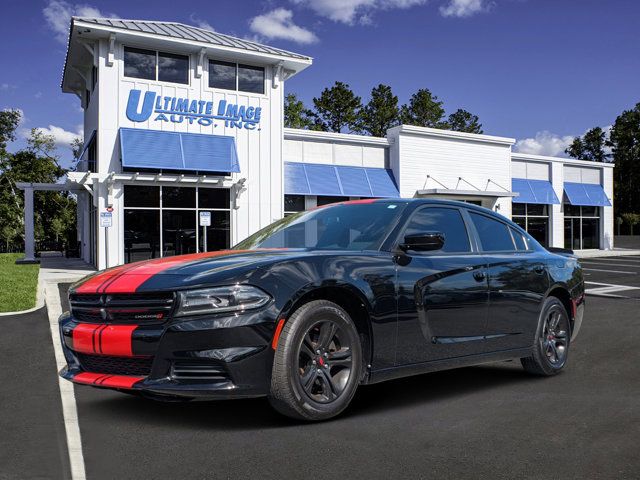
180, 271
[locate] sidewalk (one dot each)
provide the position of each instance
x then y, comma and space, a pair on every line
616, 252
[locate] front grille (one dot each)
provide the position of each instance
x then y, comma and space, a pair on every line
122, 308
198, 371
138, 366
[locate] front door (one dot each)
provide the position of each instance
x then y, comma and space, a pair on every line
442, 295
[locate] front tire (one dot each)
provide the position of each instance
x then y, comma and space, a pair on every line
551, 347
317, 364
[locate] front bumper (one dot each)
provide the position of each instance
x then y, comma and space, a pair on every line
205, 357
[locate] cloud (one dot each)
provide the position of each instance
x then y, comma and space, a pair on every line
58, 13
354, 11
464, 8
7, 86
61, 137
278, 24
544, 143
200, 23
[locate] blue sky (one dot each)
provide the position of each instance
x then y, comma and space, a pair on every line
541, 71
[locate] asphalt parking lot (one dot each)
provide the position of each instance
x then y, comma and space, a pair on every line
482, 422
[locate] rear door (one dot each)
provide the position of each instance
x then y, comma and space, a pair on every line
518, 281
443, 294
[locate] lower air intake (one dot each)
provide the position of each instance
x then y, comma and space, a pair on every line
198, 371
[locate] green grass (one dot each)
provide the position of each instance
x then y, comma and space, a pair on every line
18, 283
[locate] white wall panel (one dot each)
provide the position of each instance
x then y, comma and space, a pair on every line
318, 152
292, 151
374, 157
344, 154
519, 169
537, 171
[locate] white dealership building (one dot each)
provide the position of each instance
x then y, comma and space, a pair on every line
185, 150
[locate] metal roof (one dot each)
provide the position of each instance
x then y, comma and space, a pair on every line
188, 32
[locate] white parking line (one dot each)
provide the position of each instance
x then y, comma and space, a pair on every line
610, 271
67, 394
608, 289
607, 264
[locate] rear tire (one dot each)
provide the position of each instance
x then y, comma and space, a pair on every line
551, 346
317, 364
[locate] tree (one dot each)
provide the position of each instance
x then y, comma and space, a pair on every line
337, 109
381, 113
36, 163
423, 110
463, 121
624, 140
631, 219
591, 146
9, 120
296, 115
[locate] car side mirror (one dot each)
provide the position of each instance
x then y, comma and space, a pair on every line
423, 242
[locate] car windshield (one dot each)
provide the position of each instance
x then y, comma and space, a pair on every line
342, 226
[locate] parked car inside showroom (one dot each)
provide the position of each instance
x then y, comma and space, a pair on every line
320, 302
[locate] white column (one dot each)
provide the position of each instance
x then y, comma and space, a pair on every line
29, 247
556, 213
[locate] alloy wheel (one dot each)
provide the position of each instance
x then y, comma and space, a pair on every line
325, 361
555, 337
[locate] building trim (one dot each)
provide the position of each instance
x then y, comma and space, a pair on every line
567, 161
439, 133
299, 134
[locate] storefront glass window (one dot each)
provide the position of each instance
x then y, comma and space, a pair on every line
581, 227
293, 203
173, 68
139, 63
164, 221
178, 197
534, 218
250, 79
222, 75
141, 234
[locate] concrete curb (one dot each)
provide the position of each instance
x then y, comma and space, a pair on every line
606, 253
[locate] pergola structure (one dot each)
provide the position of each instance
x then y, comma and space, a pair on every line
28, 189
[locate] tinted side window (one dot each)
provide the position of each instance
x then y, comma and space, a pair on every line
494, 235
445, 220
521, 244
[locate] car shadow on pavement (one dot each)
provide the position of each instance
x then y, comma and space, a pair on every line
249, 414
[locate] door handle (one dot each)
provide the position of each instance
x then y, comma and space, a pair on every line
479, 276
539, 269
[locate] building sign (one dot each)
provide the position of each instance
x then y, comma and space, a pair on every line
178, 110
106, 219
205, 219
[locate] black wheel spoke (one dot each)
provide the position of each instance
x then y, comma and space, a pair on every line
307, 349
308, 378
340, 358
329, 388
327, 332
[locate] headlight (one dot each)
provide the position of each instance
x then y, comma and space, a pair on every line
234, 298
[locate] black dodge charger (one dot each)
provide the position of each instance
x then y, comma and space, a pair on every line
322, 301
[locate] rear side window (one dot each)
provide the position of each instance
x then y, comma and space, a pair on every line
444, 220
494, 235
521, 244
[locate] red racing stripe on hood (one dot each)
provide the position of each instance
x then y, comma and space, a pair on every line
131, 279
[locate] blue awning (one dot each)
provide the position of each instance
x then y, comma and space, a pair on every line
534, 191
338, 180
586, 194
178, 151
